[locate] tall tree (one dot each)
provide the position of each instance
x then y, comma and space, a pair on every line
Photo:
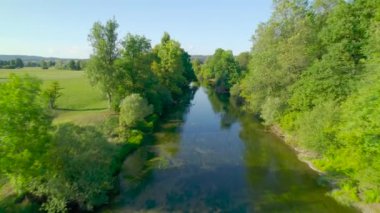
101, 68
169, 66
283, 48
134, 70
334, 75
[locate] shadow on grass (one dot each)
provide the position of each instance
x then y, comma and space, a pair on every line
82, 110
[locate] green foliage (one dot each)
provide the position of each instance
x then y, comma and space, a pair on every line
12, 64
171, 65
283, 48
24, 133
358, 135
44, 65
52, 93
81, 168
19, 63
133, 108
315, 129
221, 69
313, 71
69, 65
160, 75
101, 68
197, 64
243, 61
135, 136
271, 110
76, 167
134, 71
330, 78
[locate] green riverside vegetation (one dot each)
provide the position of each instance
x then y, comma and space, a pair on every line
313, 72
57, 155
312, 76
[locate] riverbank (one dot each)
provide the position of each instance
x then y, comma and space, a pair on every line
302, 154
307, 157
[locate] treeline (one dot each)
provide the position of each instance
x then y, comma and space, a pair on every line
314, 72
59, 64
68, 64
44, 64
71, 168
11, 64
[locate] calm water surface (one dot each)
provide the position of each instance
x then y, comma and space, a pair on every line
211, 158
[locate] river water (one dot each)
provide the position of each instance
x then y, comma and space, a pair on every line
209, 157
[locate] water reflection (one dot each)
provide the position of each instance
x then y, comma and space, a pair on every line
209, 157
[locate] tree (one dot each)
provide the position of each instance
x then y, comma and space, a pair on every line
335, 74
283, 48
169, 65
52, 93
135, 74
51, 63
243, 61
133, 109
24, 135
59, 65
72, 65
196, 63
101, 68
19, 63
78, 65
221, 69
44, 65
134, 66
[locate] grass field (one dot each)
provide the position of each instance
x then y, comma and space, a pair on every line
80, 102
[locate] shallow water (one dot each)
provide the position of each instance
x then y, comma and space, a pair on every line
211, 158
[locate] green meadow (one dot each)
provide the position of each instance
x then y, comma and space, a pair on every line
80, 102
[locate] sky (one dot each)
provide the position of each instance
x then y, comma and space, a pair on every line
60, 28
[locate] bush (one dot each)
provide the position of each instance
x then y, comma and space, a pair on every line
271, 110
81, 169
315, 129
133, 108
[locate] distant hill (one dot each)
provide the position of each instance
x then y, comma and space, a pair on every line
32, 58
201, 58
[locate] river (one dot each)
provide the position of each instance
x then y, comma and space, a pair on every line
210, 157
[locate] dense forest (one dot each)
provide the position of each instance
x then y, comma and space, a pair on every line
313, 74
69, 167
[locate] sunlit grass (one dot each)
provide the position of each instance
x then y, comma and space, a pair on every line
80, 102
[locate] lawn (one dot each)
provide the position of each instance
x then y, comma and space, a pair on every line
80, 102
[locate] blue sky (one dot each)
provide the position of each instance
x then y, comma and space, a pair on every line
60, 27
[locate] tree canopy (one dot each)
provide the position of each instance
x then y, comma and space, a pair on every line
312, 71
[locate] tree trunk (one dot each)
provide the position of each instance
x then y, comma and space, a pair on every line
109, 97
